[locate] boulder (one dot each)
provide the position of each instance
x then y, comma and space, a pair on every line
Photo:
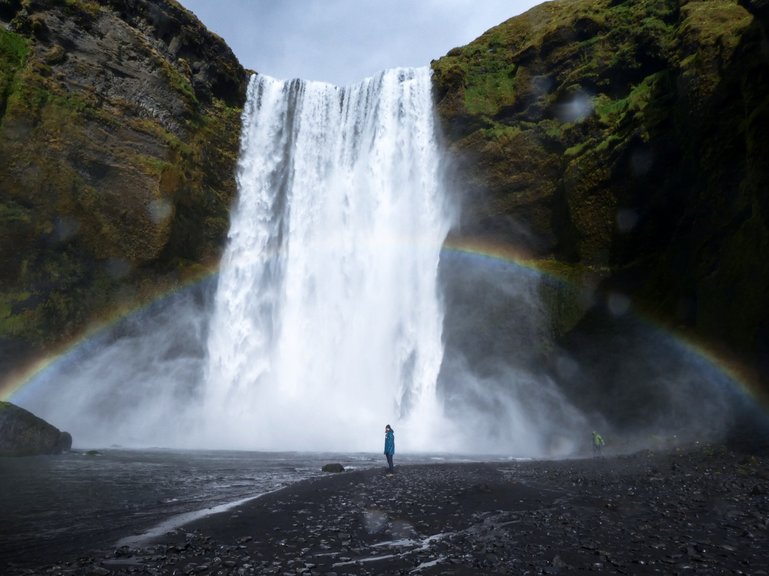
335, 467
24, 434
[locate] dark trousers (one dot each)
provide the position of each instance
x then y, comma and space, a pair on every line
389, 461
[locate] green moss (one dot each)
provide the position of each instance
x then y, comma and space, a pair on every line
501, 133
15, 320
151, 164
577, 149
714, 23
554, 129
611, 112
11, 212
14, 50
154, 129
488, 76
487, 92
179, 82
33, 98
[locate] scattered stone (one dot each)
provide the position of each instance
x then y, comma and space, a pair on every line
324, 525
334, 468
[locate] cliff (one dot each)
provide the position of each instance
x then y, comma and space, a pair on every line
119, 128
622, 146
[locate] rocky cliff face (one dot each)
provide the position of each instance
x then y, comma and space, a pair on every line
119, 126
623, 146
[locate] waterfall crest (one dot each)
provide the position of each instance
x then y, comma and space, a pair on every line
327, 321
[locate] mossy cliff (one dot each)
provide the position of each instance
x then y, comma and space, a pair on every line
624, 145
119, 127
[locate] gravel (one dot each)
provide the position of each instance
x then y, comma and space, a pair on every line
703, 510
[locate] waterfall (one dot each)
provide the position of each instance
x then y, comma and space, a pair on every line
327, 321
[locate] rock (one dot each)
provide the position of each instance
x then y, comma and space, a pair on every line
758, 7
116, 156
24, 434
64, 443
605, 150
335, 468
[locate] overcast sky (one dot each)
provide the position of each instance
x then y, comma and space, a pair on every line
344, 41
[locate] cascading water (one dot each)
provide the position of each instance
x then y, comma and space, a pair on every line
327, 322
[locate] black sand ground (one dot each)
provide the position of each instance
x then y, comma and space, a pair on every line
701, 511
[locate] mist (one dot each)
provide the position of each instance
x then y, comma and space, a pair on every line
494, 381
516, 383
650, 388
339, 309
133, 384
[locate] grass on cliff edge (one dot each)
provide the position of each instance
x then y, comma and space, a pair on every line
595, 37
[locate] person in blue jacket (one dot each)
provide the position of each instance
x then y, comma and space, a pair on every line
389, 448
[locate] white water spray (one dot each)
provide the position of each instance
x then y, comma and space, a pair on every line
327, 322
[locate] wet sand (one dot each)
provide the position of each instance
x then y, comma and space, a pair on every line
699, 511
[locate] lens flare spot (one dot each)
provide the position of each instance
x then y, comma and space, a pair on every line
160, 210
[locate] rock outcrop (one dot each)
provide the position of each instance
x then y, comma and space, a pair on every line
119, 135
622, 146
24, 434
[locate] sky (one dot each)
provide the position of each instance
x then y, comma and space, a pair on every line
344, 41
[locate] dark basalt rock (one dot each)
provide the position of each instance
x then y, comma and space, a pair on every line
24, 434
619, 144
119, 137
757, 7
335, 468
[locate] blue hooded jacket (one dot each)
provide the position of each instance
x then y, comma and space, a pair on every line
389, 442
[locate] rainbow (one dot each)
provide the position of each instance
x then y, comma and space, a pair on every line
745, 378
15, 381
488, 252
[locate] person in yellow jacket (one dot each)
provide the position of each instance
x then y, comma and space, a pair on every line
598, 443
